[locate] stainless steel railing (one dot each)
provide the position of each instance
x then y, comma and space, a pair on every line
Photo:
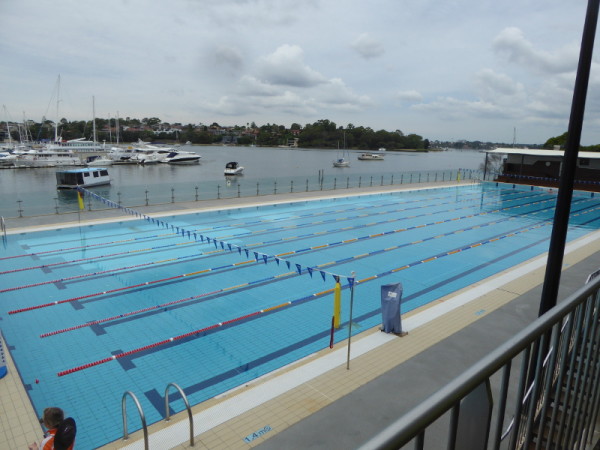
167, 413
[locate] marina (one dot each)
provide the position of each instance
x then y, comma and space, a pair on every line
30, 192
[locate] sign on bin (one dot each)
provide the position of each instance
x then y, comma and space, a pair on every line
391, 294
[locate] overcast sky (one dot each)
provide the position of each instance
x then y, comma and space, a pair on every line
446, 70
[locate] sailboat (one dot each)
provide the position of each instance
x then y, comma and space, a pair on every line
344, 160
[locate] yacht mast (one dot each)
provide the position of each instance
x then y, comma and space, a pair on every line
94, 117
57, 116
7, 127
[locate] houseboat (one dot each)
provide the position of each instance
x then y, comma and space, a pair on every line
84, 177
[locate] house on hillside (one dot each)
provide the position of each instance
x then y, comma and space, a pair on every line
543, 168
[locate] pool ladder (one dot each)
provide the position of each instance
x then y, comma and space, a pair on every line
143, 417
3, 226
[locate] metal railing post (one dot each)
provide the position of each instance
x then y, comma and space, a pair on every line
187, 406
142, 416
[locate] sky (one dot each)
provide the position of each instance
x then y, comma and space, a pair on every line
487, 70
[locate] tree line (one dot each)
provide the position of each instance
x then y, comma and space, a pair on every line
320, 134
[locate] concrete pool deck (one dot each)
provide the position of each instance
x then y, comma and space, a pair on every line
317, 402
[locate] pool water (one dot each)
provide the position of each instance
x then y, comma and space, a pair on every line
93, 311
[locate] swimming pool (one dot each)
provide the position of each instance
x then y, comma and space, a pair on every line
91, 312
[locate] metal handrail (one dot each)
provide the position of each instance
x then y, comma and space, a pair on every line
124, 412
187, 406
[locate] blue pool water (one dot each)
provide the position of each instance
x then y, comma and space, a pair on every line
89, 312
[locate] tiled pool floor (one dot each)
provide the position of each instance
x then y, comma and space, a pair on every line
269, 405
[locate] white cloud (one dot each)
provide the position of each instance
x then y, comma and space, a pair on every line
367, 46
411, 96
512, 45
498, 88
285, 66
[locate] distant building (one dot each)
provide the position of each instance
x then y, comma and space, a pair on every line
543, 167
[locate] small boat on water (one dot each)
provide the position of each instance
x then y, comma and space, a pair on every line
181, 157
84, 177
233, 168
370, 157
344, 159
341, 162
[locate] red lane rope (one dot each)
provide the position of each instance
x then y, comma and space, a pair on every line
110, 255
156, 344
131, 313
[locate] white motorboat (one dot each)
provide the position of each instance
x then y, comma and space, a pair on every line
233, 168
7, 159
370, 157
84, 177
47, 158
182, 157
98, 161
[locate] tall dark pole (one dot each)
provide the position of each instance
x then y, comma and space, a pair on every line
567, 175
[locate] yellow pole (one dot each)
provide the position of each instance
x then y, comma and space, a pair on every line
337, 304
80, 200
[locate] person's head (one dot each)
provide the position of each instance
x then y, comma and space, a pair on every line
52, 417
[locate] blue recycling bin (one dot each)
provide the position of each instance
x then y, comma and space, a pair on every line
391, 294
3, 368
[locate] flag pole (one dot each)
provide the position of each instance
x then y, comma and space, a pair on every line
351, 280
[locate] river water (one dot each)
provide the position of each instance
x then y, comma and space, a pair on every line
30, 192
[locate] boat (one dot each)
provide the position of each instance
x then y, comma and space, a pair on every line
83, 177
47, 158
182, 157
80, 145
98, 161
370, 157
344, 159
7, 159
233, 168
381, 149
341, 162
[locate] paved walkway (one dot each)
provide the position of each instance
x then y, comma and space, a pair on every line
318, 402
